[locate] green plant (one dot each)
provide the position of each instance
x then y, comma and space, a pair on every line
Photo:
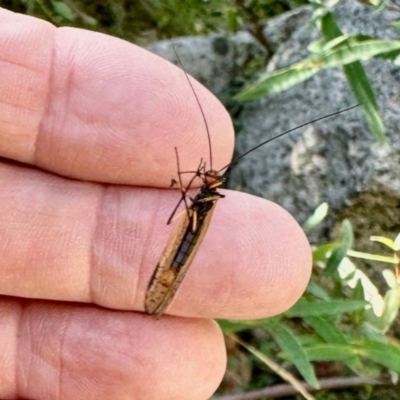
342, 318
335, 49
142, 21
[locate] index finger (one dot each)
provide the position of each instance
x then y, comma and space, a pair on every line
93, 107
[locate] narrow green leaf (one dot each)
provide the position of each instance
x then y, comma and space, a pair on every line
346, 244
289, 344
330, 333
317, 291
305, 308
372, 257
346, 50
371, 331
309, 339
364, 94
384, 354
64, 10
317, 217
323, 46
330, 352
329, 27
391, 56
326, 329
321, 252
232, 20
384, 240
278, 81
358, 292
358, 82
229, 326
391, 279
391, 310
397, 243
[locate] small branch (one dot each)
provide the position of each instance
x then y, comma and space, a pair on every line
295, 384
283, 390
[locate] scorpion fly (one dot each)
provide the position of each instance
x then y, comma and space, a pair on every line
188, 234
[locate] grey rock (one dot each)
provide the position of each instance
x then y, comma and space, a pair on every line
335, 160
214, 60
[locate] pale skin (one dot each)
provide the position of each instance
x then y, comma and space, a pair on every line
88, 125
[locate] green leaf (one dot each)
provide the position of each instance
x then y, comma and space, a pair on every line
391, 56
372, 257
391, 309
358, 81
364, 94
324, 46
326, 329
278, 81
370, 331
338, 51
329, 27
317, 291
358, 292
64, 10
229, 326
289, 344
346, 244
309, 339
397, 243
331, 352
384, 354
330, 333
317, 217
232, 20
391, 279
304, 308
344, 50
320, 253
385, 240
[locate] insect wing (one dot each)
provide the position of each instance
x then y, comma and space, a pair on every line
163, 276
166, 279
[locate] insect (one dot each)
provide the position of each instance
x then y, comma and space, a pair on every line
188, 234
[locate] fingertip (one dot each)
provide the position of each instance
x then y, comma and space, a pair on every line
95, 107
129, 108
254, 262
98, 353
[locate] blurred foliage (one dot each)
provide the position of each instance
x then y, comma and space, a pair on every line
333, 50
342, 326
142, 21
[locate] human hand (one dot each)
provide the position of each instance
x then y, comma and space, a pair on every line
88, 126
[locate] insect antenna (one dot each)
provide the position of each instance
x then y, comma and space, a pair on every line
199, 104
201, 169
236, 160
202, 165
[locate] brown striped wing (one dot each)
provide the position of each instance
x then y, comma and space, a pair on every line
166, 279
